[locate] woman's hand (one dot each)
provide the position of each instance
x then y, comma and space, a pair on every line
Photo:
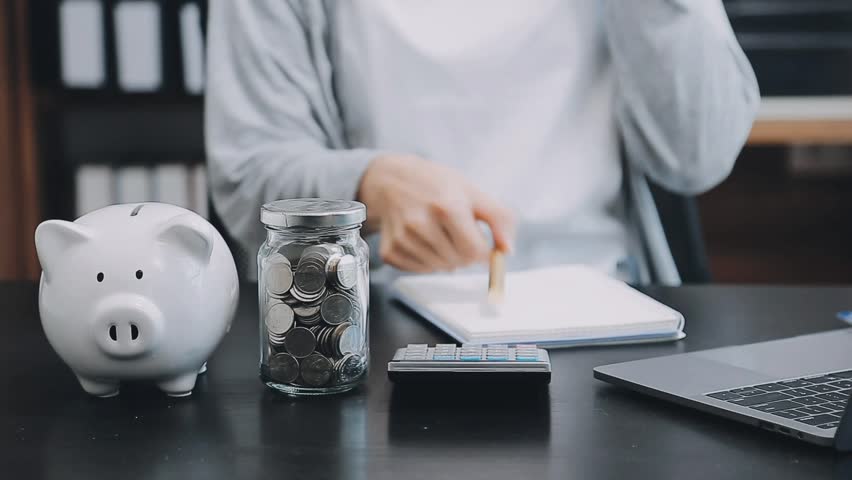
427, 215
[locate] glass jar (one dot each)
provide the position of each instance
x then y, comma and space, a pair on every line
313, 293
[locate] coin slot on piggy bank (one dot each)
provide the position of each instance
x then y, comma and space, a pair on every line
135, 292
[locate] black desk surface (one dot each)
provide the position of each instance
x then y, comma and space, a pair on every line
234, 427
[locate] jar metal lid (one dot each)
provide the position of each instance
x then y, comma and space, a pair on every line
312, 212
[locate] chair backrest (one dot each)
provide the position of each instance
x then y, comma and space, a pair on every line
682, 226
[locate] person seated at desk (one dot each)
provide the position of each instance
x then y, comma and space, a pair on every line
443, 113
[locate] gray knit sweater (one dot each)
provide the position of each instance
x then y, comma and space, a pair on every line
686, 98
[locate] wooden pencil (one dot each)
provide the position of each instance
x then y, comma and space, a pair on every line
496, 276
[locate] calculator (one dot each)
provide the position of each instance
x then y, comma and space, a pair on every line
450, 363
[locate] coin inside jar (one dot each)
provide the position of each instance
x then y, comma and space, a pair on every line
336, 309
343, 271
306, 310
349, 339
283, 367
348, 368
279, 318
293, 251
310, 275
311, 321
278, 274
324, 250
300, 342
308, 299
316, 370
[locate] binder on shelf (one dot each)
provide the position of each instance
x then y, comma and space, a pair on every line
94, 187
138, 45
81, 43
133, 184
171, 182
192, 48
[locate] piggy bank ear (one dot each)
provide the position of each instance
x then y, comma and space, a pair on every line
53, 238
189, 234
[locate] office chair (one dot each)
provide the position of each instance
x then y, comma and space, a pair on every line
682, 227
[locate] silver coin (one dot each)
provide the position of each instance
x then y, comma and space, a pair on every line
325, 342
283, 367
298, 296
276, 341
306, 310
293, 251
316, 370
317, 299
310, 275
300, 342
346, 272
323, 250
336, 309
278, 274
269, 303
348, 368
310, 321
290, 300
279, 318
349, 340
275, 337
308, 298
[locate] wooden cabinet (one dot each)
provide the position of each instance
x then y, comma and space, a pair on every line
19, 194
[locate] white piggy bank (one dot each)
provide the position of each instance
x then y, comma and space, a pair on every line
136, 291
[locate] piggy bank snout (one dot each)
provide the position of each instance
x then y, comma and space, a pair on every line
127, 326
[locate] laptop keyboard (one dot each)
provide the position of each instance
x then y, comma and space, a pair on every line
819, 400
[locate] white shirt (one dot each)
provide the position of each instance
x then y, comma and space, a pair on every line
518, 96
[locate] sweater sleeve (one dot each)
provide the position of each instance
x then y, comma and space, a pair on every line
687, 95
271, 130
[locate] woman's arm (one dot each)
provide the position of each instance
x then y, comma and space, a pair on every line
687, 95
271, 130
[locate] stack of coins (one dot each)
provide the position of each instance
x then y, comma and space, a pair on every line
339, 340
313, 316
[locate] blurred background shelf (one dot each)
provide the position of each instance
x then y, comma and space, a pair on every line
822, 120
106, 95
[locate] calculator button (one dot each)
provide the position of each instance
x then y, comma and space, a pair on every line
414, 352
526, 353
470, 353
497, 355
445, 351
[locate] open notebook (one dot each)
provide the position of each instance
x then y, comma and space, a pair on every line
559, 306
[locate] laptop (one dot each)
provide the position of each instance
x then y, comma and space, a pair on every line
798, 387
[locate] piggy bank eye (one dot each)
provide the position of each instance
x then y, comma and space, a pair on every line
139, 274
100, 277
